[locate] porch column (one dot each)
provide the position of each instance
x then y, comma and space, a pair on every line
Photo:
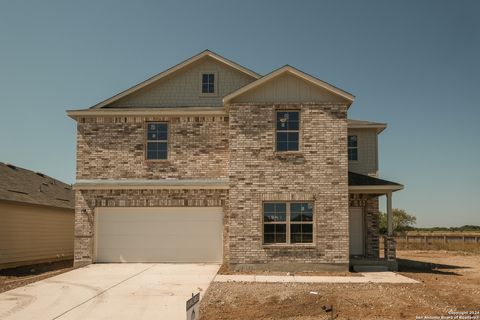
390, 246
389, 215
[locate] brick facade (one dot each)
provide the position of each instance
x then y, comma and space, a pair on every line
87, 200
235, 143
257, 174
114, 148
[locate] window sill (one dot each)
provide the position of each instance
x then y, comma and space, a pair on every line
288, 153
208, 95
157, 160
288, 246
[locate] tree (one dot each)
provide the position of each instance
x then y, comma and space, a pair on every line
402, 221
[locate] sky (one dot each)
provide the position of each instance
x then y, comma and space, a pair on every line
413, 64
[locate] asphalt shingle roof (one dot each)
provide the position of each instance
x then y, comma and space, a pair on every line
356, 179
22, 185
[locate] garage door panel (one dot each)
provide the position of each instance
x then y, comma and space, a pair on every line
178, 234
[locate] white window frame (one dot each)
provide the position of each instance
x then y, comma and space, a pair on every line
215, 84
166, 141
352, 148
287, 131
288, 223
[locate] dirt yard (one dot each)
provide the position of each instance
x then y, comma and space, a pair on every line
450, 282
20, 276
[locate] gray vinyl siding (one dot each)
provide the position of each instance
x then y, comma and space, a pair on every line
287, 88
183, 88
367, 162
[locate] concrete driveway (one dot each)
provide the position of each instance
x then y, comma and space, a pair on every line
110, 291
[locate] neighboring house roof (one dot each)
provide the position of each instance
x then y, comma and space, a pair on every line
362, 124
206, 53
25, 186
357, 180
291, 70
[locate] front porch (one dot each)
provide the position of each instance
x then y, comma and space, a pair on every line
364, 235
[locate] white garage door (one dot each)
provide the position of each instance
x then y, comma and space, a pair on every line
168, 234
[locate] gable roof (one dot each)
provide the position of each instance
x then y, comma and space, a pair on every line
181, 65
26, 186
291, 70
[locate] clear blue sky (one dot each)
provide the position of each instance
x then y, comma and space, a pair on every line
413, 64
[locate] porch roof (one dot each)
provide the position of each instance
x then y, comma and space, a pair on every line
363, 183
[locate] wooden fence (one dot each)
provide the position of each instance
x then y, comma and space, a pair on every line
439, 240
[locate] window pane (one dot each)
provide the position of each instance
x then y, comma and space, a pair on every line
204, 78
162, 146
211, 78
293, 125
268, 207
296, 238
269, 238
295, 216
204, 88
280, 238
282, 146
162, 136
281, 211
293, 146
281, 228
152, 127
352, 141
293, 137
352, 154
307, 238
295, 228
161, 155
211, 88
162, 127
282, 136
307, 228
268, 228
152, 146
293, 116
151, 155
152, 136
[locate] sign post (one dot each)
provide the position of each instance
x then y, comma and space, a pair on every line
193, 307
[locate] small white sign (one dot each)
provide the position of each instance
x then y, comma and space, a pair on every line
193, 307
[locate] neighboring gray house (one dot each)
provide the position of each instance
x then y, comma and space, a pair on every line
211, 162
36, 217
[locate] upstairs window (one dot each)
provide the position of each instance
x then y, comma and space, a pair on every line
157, 141
208, 83
352, 147
288, 131
287, 222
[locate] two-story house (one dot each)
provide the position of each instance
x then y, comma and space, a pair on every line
209, 161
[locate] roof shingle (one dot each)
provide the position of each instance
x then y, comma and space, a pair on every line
22, 185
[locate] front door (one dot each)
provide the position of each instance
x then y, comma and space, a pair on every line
356, 227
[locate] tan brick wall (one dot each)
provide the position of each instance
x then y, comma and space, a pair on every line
114, 148
87, 200
372, 228
317, 173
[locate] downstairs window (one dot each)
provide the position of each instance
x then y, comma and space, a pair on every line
287, 222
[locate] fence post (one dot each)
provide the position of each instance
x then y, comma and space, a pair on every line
406, 241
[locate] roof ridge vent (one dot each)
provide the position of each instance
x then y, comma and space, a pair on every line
11, 166
40, 174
